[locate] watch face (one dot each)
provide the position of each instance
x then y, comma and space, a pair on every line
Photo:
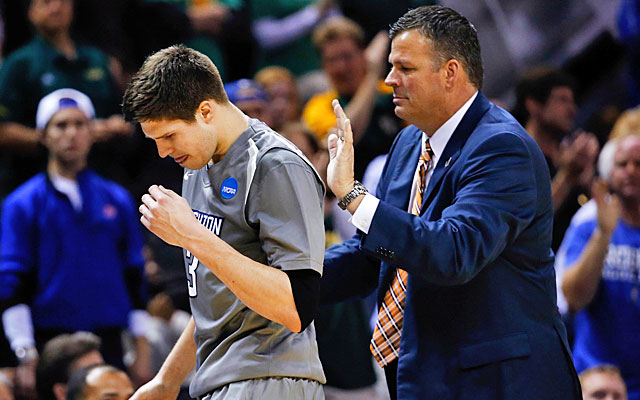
26, 353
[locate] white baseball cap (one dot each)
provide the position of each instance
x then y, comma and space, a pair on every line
62, 98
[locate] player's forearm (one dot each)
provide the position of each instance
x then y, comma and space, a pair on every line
181, 360
264, 289
581, 281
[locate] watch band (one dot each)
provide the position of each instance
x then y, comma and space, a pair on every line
358, 189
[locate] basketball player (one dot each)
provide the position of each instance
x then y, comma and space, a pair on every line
251, 225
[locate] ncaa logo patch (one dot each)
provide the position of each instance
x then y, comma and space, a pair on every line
229, 188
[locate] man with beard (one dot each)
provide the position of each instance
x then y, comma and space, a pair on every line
546, 107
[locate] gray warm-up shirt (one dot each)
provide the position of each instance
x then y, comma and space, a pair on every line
265, 200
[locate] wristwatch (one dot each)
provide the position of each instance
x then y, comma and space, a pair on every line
24, 354
358, 189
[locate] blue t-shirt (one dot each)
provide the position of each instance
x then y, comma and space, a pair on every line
73, 262
608, 329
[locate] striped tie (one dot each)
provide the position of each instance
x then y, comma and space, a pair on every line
385, 343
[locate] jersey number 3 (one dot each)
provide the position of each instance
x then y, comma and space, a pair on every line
191, 276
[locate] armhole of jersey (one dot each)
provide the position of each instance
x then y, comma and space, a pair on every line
251, 172
254, 157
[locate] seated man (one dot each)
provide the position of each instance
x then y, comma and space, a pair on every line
603, 382
600, 281
61, 357
354, 73
250, 98
99, 382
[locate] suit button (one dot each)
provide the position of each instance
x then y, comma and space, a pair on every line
380, 251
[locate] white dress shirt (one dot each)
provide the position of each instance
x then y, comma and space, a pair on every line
363, 215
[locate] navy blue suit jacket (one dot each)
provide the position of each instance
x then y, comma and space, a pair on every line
480, 318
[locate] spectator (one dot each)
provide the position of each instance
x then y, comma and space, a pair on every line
354, 73
600, 280
52, 60
545, 106
282, 29
250, 98
100, 382
603, 382
61, 357
628, 122
71, 245
282, 94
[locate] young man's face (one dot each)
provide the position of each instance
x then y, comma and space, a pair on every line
559, 111
68, 135
345, 64
416, 80
190, 144
603, 386
51, 15
107, 385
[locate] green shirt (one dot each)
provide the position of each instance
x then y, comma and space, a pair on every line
37, 69
299, 56
206, 44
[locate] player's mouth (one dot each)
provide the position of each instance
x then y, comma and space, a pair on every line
181, 159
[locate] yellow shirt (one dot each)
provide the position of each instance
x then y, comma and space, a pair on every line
318, 114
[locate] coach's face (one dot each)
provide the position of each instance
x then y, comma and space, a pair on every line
417, 79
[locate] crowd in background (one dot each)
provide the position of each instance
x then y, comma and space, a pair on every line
283, 62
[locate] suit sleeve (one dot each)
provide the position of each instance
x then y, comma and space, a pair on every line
495, 199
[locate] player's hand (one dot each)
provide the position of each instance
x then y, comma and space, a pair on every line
340, 144
156, 389
168, 216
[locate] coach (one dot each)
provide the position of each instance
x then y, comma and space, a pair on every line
458, 240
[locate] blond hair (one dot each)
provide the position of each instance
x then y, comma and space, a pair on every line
338, 28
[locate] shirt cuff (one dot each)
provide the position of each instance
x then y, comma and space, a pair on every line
18, 327
363, 215
138, 322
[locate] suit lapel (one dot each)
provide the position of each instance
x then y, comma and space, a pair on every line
452, 150
399, 189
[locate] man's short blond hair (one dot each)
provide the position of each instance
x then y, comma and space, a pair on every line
338, 28
267, 76
600, 369
628, 123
